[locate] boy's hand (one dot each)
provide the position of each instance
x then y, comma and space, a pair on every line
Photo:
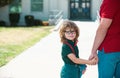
83, 71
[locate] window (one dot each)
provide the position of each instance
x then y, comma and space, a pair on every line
37, 5
15, 6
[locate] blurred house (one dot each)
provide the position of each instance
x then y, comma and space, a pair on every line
43, 9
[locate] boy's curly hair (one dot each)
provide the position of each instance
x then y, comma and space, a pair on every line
64, 26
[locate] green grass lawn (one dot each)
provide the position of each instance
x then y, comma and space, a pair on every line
14, 40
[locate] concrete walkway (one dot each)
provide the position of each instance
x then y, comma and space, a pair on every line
43, 60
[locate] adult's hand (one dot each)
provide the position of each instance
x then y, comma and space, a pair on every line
92, 56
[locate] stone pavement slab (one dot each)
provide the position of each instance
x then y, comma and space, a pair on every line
43, 60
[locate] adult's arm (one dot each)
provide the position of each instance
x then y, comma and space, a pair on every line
100, 35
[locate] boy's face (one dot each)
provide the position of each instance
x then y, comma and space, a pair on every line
70, 34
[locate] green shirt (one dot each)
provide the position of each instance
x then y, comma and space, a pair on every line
67, 50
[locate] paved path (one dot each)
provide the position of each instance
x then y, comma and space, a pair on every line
43, 60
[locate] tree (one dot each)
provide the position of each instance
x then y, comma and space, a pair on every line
5, 2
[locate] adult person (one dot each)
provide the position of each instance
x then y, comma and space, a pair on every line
107, 40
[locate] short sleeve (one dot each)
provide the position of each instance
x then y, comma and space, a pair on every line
109, 9
66, 50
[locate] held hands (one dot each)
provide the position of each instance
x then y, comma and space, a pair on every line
93, 59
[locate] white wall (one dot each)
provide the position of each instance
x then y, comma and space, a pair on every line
61, 5
94, 8
48, 6
26, 10
64, 6
53, 4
